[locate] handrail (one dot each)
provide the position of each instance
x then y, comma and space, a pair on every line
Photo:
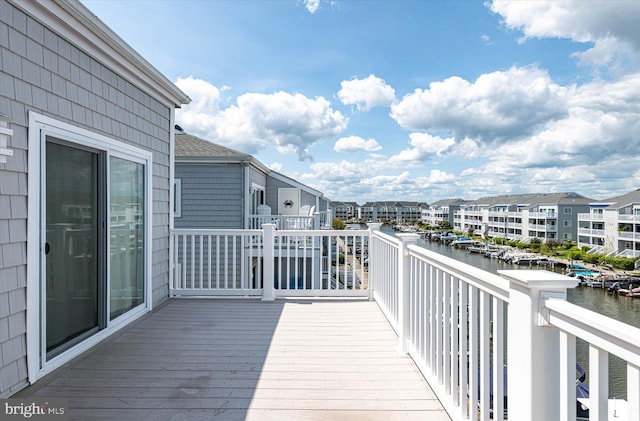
608, 334
481, 279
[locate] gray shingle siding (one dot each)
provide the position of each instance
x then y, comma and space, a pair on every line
44, 73
211, 196
274, 184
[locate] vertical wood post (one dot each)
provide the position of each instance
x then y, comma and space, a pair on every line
533, 360
404, 298
268, 246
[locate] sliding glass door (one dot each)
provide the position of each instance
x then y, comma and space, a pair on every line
72, 245
96, 247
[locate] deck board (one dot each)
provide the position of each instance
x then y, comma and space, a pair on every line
245, 359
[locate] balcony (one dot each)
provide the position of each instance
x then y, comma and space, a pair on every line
624, 218
341, 352
590, 217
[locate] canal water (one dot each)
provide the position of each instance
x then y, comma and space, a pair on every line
624, 309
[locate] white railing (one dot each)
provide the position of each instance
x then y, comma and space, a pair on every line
224, 262
628, 218
384, 274
457, 323
629, 235
605, 336
465, 328
285, 222
590, 216
285, 262
319, 220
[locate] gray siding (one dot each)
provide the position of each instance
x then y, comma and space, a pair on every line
212, 196
274, 184
45, 73
257, 177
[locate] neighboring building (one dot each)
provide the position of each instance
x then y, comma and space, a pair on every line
554, 216
88, 163
344, 210
612, 226
522, 217
441, 211
218, 187
392, 211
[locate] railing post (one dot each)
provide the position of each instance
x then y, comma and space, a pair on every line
268, 236
404, 298
533, 361
373, 226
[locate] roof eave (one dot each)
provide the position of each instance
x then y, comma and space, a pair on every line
75, 22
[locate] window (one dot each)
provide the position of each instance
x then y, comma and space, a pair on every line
567, 224
568, 210
177, 198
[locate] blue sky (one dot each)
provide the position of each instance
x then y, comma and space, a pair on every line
407, 100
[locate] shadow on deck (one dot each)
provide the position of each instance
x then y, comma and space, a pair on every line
238, 359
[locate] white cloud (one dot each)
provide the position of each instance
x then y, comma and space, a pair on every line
312, 5
288, 122
356, 144
275, 166
497, 106
424, 146
366, 93
612, 26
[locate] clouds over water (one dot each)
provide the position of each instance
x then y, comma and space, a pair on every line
515, 129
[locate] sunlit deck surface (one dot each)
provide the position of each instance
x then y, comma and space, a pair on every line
241, 359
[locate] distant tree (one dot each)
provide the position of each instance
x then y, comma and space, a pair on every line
445, 225
338, 224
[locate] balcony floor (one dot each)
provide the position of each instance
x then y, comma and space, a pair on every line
196, 358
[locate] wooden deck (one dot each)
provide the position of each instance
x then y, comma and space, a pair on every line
233, 359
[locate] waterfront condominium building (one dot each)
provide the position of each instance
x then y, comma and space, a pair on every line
392, 211
523, 217
612, 226
442, 211
345, 210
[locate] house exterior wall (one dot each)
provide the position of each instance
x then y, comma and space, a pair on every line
257, 177
45, 73
212, 196
274, 184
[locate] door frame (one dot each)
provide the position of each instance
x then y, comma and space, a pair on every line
39, 127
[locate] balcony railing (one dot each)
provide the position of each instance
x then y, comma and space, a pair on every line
465, 328
319, 220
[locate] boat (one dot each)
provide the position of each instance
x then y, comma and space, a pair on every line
464, 242
634, 293
483, 249
447, 237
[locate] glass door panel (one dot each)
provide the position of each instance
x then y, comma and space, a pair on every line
127, 235
72, 273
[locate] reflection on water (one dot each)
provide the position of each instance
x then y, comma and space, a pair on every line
624, 309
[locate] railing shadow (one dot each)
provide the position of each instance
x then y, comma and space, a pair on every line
190, 358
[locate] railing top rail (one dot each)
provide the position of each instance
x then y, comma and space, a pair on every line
322, 233
485, 281
603, 332
387, 238
239, 231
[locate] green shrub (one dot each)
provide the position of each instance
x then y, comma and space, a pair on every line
575, 254
621, 263
591, 258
